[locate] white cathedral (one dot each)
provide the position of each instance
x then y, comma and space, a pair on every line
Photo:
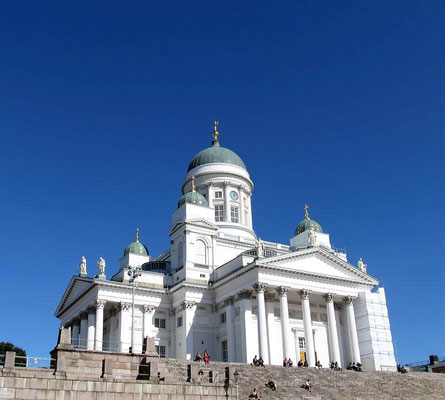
220, 288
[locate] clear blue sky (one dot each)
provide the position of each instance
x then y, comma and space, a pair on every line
336, 104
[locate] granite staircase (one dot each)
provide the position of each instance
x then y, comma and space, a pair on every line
330, 385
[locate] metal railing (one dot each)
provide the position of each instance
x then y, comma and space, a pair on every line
424, 362
34, 362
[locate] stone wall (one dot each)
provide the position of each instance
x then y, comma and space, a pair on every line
89, 375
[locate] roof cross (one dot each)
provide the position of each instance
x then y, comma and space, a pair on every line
306, 215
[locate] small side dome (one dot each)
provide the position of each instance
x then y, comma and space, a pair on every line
136, 247
193, 197
307, 224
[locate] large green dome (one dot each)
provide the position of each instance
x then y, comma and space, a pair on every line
216, 154
136, 247
193, 198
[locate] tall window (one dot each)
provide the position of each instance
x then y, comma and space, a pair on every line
218, 195
219, 213
301, 343
222, 318
234, 214
200, 253
180, 254
178, 322
224, 353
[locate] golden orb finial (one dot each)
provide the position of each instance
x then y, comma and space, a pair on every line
306, 215
137, 234
215, 131
193, 184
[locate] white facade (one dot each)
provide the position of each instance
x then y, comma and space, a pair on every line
219, 288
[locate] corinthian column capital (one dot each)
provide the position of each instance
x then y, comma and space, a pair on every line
259, 287
283, 291
329, 297
349, 299
100, 303
304, 294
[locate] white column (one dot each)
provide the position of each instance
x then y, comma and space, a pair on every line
245, 346
188, 314
149, 312
226, 202
241, 205
230, 329
124, 327
91, 328
100, 304
270, 316
353, 338
83, 330
307, 322
209, 191
296, 344
75, 333
285, 326
262, 328
332, 329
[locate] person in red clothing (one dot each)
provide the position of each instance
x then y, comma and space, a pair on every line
206, 357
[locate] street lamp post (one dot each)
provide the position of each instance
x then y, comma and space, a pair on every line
236, 376
133, 273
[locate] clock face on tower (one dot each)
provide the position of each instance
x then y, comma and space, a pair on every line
234, 195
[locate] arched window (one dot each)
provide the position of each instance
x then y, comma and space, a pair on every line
180, 255
201, 255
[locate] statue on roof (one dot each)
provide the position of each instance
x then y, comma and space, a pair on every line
312, 237
260, 248
362, 266
83, 267
101, 266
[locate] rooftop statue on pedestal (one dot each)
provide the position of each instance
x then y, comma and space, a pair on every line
362, 266
83, 267
101, 266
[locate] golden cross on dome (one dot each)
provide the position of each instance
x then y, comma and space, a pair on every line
215, 132
306, 215
137, 234
193, 184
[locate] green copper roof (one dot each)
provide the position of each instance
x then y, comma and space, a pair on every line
307, 225
193, 198
216, 154
136, 248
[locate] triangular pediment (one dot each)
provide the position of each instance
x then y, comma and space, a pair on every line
199, 223
76, 287
320, 263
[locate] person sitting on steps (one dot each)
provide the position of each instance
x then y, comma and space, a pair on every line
271, 384
261, 362
255, 360
285, 362
198, 357
300, 364
307, 385
254, 394
289, 363
318, 364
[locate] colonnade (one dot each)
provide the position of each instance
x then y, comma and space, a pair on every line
87, 330
289, 341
